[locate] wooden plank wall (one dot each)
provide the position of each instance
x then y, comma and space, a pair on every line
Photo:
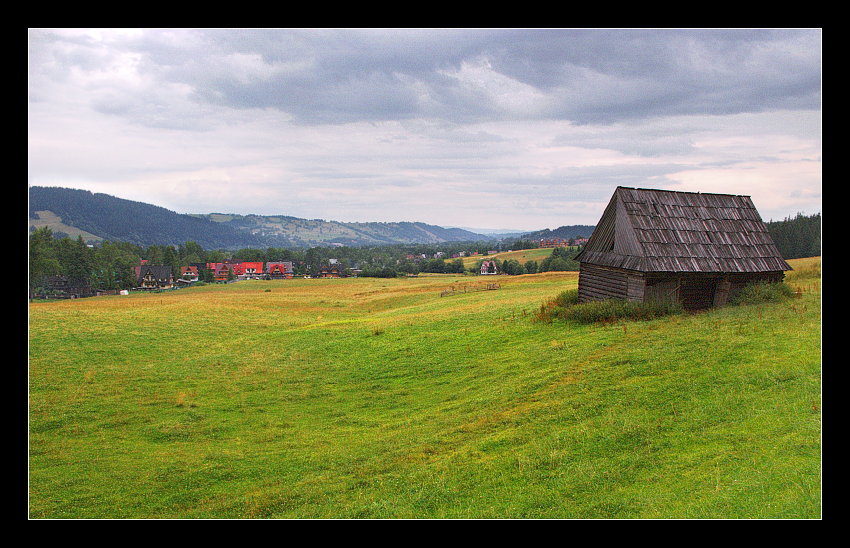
596, 282
600, 282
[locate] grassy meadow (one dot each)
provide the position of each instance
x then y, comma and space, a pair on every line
380, 398
522, 256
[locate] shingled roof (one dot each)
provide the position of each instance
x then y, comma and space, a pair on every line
159, 272
665, 231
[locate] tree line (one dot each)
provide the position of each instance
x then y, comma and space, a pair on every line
110, 265
797, 237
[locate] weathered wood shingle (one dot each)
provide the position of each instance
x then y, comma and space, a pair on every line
665, 231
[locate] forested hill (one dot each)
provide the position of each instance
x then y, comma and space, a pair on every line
110, 218
563, 232
116, 219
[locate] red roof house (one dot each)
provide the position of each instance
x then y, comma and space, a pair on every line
280, 270
248, 269
189, 272
221, 271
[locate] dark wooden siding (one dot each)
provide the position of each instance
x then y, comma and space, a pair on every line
695, 291
596, 283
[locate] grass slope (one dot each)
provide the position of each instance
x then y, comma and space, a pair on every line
522, 256
54, 222
373, 398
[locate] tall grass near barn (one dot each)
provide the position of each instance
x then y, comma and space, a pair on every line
379, 398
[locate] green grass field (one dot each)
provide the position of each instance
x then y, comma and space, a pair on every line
378, 398
521, 255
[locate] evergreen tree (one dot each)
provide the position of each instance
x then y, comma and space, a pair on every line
76, 259
191, 252
114, 264
797, 237
42, 259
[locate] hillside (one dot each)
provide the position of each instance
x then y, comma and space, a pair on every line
563, 232
39, 219
98, 216
108, 218
380, 398
311, 232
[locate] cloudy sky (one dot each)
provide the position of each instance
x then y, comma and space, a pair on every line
515, 129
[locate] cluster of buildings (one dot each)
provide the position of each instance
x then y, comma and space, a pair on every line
151, 276
560, 242
252, 270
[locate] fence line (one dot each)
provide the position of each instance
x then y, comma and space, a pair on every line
466, 288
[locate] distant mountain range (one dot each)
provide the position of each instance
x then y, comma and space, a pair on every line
286, 231
97, 217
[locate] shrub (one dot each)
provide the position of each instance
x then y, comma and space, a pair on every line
551, 308
566, 298
565, 306
763, 292
612, 310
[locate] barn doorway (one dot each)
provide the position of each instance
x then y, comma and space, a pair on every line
698, 293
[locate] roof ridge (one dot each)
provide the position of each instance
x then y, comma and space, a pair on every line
683, 192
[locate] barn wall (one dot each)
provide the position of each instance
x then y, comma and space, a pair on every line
599, 282
693, 290
702, 289
662, 289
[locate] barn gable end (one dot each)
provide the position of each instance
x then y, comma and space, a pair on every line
691, 247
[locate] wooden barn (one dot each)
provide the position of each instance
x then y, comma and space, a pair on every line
697, 249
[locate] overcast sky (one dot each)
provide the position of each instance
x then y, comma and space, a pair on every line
506, 129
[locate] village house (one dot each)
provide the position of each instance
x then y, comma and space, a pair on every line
280, 270
64, 287
554, 242
155, 277
330, 271
248, 270
687, 247
189, 273
221, 271
489, 267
